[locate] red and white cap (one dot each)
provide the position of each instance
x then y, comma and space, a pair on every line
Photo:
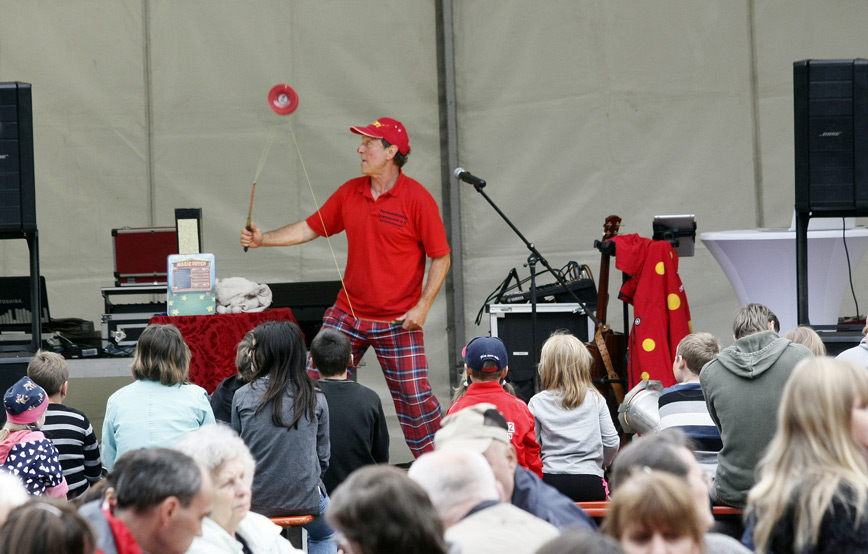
391, 130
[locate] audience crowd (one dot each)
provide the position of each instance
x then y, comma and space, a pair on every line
769, 427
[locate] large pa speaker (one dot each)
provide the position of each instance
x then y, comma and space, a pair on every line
830, 100
512, 323
17, 188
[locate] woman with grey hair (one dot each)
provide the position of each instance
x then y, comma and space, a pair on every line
231, 527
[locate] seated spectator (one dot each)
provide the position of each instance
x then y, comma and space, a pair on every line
670, 452
464, 493
157, 504
464, 381
24, 450
221, 398
811, 495
581, 541
486, 363
379, 509
161, 405
774, 322
230, 527
742, 388
12, 495
68, 428
44, 526
807, 336
574, 428
358, 430
683, 406
654, 512
481, 428
283, 417
858, 353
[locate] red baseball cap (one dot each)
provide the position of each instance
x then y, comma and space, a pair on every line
387, 128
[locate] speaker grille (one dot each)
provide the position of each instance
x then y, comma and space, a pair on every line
17, 194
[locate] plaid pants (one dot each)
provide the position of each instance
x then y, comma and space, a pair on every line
401, 354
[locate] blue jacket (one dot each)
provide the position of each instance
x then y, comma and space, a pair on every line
145, 414
532, 495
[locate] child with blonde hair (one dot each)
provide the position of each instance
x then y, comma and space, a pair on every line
573, 426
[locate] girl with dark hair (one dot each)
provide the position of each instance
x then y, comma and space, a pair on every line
282, 415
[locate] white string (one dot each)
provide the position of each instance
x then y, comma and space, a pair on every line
322, 222
264, 155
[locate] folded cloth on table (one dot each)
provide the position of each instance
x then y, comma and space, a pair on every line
236, 295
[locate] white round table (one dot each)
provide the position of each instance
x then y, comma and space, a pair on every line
761, 266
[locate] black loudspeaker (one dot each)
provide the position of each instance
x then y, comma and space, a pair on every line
514, 329
308, 300
17, 185
830, 100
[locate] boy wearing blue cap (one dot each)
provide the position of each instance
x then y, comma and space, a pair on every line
486, 363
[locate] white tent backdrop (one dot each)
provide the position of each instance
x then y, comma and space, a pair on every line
571, 110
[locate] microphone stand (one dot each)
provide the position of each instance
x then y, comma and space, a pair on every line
534, 258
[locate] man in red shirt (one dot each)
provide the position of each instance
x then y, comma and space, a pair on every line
393, 225
486, 363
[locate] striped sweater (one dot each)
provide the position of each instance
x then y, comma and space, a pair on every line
73, 436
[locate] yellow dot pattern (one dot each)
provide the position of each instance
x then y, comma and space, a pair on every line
648, 345
673, 301
660, 268
645, 376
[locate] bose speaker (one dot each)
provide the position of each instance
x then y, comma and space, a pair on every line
17, 189
830, 99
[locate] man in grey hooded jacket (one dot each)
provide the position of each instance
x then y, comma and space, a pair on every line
743, 387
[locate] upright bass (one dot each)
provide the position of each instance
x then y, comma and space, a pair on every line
609, 348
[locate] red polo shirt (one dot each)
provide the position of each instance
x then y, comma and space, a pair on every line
388, 240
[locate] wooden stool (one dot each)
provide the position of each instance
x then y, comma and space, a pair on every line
292, 529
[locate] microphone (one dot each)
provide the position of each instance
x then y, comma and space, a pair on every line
468, 178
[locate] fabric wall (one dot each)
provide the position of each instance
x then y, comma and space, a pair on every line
577, 110
572, 110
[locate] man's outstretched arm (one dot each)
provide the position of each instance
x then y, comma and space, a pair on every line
294, 233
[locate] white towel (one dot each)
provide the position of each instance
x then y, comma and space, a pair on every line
236, 295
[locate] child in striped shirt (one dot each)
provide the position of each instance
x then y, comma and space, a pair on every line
68, 428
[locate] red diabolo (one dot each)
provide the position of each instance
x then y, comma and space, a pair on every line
282, 99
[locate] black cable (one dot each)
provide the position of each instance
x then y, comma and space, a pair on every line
497, 291
569, 272
849, 269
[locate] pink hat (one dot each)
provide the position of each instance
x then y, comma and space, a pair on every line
386, 128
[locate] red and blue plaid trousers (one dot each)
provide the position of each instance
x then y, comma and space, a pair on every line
401, 354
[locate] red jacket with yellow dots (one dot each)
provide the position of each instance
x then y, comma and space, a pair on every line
661, 316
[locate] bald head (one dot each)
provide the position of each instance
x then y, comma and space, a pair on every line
455, 480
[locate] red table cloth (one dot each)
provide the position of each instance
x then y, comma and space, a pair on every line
213, 340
